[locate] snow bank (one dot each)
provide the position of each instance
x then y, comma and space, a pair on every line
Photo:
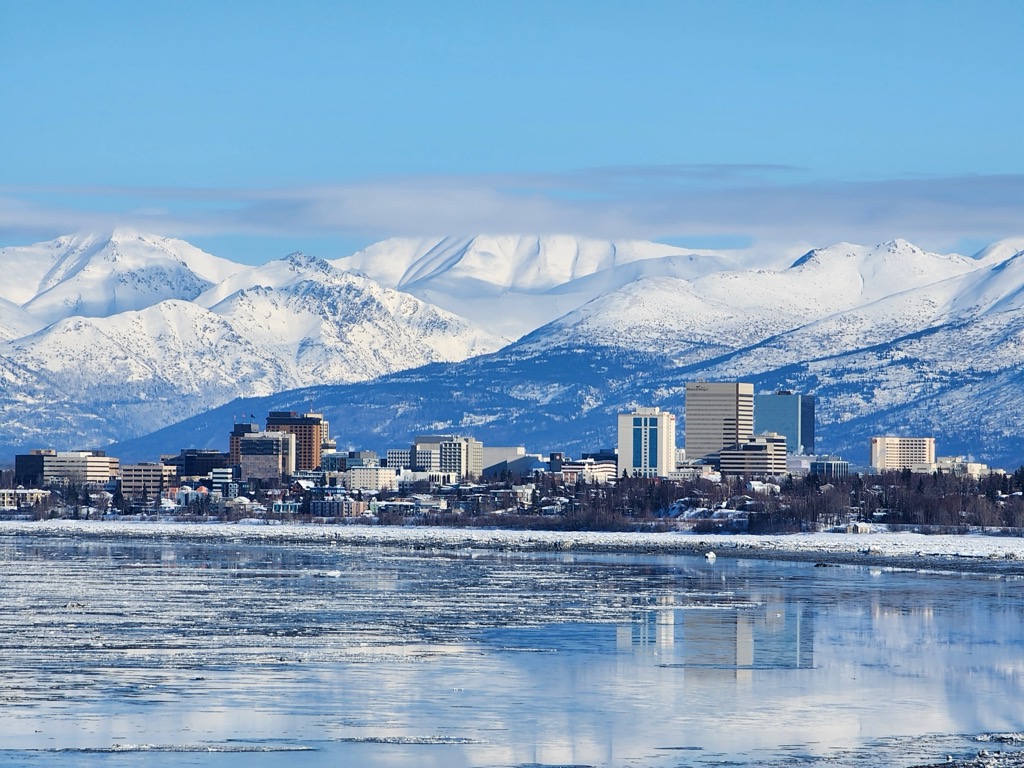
904, 546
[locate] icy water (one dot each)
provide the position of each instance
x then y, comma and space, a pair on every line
176, 653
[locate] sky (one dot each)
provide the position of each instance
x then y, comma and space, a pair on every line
253, 129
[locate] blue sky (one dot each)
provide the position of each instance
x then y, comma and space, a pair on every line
257, 128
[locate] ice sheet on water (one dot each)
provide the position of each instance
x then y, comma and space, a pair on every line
225, 748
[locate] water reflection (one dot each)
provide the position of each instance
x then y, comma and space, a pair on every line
397, 657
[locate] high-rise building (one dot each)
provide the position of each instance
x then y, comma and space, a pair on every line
718, 414
789, 414
897, 453
267, 456
647, 443
235, 440
461, 457
198, 462
309, 429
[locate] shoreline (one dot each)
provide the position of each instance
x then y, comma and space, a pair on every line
955, 553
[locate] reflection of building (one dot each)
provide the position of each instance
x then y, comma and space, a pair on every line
735, 640
788, 414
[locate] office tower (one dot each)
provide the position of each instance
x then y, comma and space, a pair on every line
718, 415
234, 441
790, 414
267, 456
309, 429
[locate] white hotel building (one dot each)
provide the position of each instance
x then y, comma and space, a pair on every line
898, 453
647, 443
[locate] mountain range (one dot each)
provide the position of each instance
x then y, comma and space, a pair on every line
152, 344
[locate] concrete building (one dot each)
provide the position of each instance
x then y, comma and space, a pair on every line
198, 462
146, 480
899, 453
310, 431
829, 466
759, 455
19, 498
338, 507
238, 431
647, 443
589, 471
267, 457
44, 467
958, 466
371, 478
455, 455
398, 458
718, 415
341, 461
789, 414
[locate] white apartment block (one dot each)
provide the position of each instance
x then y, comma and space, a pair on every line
461, 457
16, 498
589, 471
371, 478
718, 415
399, 458
898, 453
647, 443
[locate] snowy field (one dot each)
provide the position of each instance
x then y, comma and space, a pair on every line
907, 548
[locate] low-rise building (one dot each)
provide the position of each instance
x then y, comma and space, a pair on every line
760, 455
19, 498
146, 480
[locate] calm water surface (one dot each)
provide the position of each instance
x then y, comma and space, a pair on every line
176, 653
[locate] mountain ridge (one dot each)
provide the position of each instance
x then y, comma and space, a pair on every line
876, 332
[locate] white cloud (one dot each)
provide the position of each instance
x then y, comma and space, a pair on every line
771, 206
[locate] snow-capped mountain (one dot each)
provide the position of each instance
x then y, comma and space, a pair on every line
98, 276
891, 339
290, 323
536, 279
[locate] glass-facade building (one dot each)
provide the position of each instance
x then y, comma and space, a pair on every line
789, 414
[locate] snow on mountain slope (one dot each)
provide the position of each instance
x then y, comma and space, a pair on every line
97, 276
15, 321
177, 357
536, 279
694, 320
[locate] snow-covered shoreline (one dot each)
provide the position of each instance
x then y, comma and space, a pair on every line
960, 552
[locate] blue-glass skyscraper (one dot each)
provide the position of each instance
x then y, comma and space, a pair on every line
788, 414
